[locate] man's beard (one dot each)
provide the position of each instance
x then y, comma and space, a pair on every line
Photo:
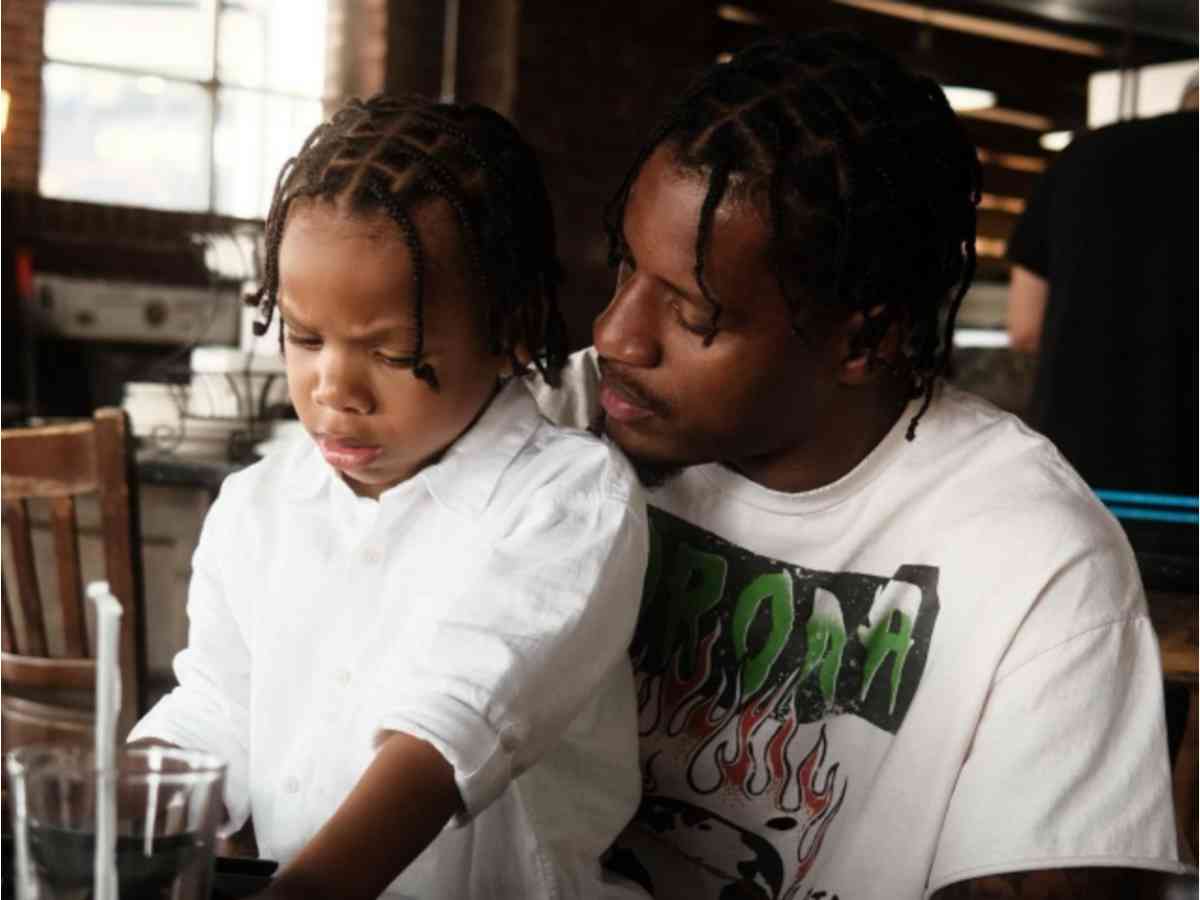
650, 474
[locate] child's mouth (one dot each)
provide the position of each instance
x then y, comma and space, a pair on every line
346, 454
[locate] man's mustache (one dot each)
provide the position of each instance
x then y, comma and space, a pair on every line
630, 389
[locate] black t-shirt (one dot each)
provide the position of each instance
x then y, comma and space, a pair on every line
1113, 228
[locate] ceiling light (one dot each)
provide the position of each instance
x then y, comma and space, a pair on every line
731, 12
1056, 140
966, 98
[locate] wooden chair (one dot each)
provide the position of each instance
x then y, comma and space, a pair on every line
48, 674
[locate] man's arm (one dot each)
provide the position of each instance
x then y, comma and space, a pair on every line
398, 807
1027, 295
1059, 884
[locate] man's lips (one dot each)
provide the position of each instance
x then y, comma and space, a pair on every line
623, 401
347, 453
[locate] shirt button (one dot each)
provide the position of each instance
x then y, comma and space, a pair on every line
342, 677
291, 784
373, 556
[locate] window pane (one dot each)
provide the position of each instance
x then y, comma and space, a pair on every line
171, 37
136, 141
273, 44
255, 134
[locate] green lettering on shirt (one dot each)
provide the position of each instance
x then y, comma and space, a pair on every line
825, 637
776, 587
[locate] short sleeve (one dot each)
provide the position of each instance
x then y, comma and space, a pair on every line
1089, 785
1029, 245
524, 633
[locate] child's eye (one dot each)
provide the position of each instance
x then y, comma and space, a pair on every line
303, 340
396, 362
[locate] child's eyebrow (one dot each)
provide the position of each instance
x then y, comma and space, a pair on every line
387, 329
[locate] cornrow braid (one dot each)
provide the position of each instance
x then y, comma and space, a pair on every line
395, 155
869, 180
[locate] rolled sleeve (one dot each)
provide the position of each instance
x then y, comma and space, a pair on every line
521, 637
209, 710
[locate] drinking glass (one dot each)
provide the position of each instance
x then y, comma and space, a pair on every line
168, 807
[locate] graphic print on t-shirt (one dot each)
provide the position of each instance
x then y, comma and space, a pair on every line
745, 665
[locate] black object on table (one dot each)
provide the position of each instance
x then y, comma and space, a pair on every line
234, 877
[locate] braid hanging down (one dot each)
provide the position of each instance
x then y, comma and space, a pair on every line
868, 177
397, 154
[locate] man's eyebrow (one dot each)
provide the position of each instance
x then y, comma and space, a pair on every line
682, 291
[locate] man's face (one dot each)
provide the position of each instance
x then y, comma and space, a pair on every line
759, 397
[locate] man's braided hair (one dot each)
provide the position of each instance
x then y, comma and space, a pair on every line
397, 154
868, 178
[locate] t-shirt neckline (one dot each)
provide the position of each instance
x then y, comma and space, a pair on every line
743, 490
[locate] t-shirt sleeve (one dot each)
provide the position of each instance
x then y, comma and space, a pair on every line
1068, 766
209, 710
525, 632
1029, 245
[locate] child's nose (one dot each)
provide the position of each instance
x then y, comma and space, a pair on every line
340, 386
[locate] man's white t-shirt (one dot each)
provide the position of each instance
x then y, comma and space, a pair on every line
484, 605
936, 668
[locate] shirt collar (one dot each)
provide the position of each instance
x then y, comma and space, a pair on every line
466, 476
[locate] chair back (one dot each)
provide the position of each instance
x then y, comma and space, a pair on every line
48, 667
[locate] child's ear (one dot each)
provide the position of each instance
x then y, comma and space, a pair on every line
857, 366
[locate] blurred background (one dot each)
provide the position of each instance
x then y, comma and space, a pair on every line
142, 138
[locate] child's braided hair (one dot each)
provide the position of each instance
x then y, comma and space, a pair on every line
397, 154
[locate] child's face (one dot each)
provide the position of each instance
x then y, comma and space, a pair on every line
347, 299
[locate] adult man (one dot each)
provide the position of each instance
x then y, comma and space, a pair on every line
1104, 290
890, 644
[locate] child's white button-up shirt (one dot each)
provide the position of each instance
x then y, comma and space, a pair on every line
485, 605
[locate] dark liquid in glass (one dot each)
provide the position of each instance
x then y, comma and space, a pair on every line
64, 860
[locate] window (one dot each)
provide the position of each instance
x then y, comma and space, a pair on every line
187, 105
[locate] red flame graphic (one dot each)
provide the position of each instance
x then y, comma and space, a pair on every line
676, 694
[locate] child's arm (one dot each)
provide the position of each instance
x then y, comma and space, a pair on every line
397, 808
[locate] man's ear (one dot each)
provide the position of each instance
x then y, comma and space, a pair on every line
859, 365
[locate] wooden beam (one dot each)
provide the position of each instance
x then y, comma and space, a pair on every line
983, 26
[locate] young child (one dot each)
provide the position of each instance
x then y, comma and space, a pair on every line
418, 615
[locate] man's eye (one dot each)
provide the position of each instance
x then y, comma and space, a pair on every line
691, 320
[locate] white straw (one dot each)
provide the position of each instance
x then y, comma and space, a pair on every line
108, 706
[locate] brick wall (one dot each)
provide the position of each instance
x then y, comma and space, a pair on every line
356, 49
22, 78
590, 85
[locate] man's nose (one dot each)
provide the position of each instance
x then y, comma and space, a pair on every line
340, 386
627, 330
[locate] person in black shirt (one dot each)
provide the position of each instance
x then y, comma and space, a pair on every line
1104, 290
